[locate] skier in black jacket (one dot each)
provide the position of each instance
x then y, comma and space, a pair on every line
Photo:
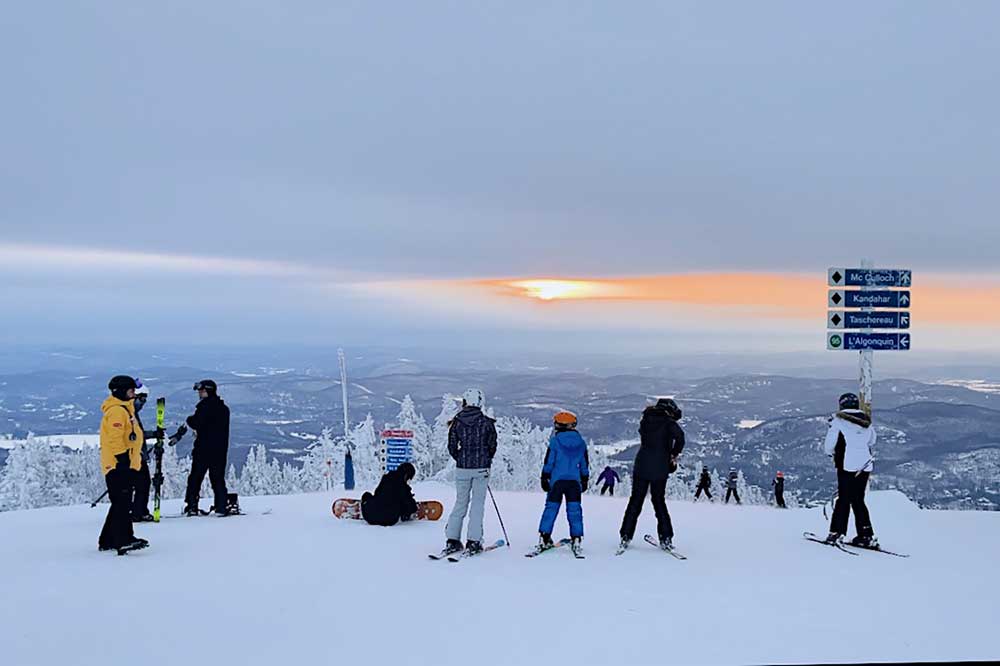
393, 499
211, 448
143, 480
779, 490
704, 484
662, 440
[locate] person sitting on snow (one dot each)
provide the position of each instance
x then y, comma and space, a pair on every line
393, 499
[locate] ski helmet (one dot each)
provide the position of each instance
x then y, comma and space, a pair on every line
407, 470
780, 475
670, 407
140, 388
850, 401
120, 385
473, 397
207, 385
564, 421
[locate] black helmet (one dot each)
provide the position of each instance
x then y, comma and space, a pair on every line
670, 407
120, 385
407, 470
207, 385
850, 401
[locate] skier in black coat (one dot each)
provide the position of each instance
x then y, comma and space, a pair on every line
779, 490
143, 480
211, 448
662, 440
704, 484
393, 499
732, 483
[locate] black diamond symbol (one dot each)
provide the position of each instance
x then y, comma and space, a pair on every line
836, 319
837, 277
837, 299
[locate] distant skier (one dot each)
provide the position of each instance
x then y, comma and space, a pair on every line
661, 442
779, 490
610, 478
210, 422
393, 499
851, 440
121, 459
565, 473
731, 484
143, 481
472, 443
704, 484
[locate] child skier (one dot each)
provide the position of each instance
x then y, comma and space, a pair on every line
565, 473
393, 499
731, 484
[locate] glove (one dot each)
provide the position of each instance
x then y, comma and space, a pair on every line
176, 437
673, 464
160, 433
545, 482
584, 482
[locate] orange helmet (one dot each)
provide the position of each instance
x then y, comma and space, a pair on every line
780, 475
564, 421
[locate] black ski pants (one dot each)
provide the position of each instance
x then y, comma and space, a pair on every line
851, 488
657, 491
700, 490
213, 462
117, 531
779, 499
143, 481
609, 488
731, 492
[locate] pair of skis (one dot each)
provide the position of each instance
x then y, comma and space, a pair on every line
652, 541
459, 555
539, 549
848, 548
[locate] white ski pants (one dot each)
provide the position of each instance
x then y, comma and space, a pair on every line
470, 484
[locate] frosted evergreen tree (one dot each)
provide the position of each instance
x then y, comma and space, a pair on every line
423, 449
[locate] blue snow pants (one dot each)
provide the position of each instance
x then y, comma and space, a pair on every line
574, 510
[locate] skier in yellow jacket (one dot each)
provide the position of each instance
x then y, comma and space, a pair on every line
121, 459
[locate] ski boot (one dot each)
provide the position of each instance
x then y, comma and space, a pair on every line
666, 543
575, 544
473, 547
834, 538
142, 517
623, 546
545, 541
192, 510
134, 544
452, 546
869, 542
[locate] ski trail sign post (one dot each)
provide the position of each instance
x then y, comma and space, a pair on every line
868, 310
397, 448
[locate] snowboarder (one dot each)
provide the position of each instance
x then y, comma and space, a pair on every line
472, 443
143, 480
393, 499
850, 440
121, 459
610, 478
704, 484
731, 484
210, 422
779, 490
662, 441
565, 473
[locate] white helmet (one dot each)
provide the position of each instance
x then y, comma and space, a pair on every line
473, 397
141, 389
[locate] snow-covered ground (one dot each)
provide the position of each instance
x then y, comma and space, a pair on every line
75, 442
297, 586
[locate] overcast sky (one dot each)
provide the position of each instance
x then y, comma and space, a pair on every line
321, 142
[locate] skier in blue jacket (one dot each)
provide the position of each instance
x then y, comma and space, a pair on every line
566, 473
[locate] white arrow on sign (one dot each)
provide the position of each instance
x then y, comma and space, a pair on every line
904, 341
904, 319
905, 278
904, 300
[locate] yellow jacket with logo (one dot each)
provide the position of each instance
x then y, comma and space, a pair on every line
120, 433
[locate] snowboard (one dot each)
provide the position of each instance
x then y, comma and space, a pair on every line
350, 509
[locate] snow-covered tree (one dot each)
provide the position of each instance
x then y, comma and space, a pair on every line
424, 455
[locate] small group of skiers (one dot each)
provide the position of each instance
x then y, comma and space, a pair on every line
732, 487
125, 458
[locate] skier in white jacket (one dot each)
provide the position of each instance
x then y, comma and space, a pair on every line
851, 440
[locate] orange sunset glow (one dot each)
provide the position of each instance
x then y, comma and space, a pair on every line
936, 299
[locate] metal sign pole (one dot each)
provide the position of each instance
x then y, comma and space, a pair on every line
867, 358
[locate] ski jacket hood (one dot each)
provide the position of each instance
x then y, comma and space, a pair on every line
120, 434
472, 439
851, 440
566, 458
662, 439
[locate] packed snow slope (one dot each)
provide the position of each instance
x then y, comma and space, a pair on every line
297, 586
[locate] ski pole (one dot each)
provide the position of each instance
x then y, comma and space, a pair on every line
499, 517
94, 503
